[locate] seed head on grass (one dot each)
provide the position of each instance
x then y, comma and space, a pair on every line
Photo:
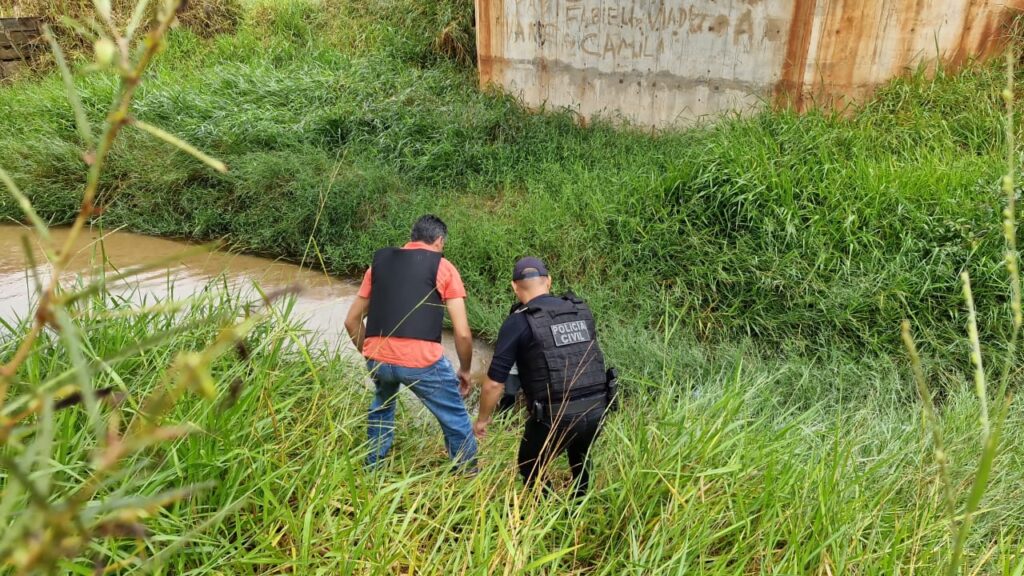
48, 520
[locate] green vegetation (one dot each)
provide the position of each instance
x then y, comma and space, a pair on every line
716, 475
343, 121
341, 126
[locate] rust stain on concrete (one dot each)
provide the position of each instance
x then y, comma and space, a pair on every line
790, 88
663, 62
488, 46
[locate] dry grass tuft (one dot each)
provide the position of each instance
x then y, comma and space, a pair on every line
206, 18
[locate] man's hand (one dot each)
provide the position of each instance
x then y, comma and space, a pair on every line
480, 428
465, 385
463, 340
490, 392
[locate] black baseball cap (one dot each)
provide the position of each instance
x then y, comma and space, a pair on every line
522, 270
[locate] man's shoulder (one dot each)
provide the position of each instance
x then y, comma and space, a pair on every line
446, 263
449, 282
446, 271
515, 323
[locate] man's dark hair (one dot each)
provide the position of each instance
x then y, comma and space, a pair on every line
428, 229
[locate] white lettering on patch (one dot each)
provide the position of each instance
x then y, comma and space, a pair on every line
570, 333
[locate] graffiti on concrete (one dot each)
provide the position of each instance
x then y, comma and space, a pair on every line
660, 62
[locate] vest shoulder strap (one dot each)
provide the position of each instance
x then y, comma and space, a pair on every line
572, 297
568, 303
559, 306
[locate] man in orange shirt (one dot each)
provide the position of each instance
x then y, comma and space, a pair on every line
403, 298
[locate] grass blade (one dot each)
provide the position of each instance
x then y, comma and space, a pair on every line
81, 120
181, 145
26, 206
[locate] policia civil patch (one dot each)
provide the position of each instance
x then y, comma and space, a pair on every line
568, 333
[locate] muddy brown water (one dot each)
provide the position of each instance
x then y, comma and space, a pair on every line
321, 306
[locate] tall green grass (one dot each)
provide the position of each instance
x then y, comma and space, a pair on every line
725, 460
816, 232
715, 473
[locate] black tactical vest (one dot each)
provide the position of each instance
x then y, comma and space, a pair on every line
564, 363
403, 295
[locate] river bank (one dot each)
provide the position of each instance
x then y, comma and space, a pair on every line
186, 271
814, 233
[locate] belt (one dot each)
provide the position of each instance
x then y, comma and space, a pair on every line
591, 404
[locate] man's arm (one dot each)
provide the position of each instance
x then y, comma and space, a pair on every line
463, 341
354, 321
490, 393
506, 351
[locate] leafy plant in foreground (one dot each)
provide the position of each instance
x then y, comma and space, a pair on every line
991, 426
51, 511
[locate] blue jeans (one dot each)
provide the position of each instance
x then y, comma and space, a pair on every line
437, 387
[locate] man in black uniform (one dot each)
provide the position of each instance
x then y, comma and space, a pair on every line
553, 341
512, 384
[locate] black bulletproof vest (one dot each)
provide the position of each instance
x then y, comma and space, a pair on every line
564, 362
403, 295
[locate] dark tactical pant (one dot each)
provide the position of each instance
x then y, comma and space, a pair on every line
508, 397
506, 403
542, 442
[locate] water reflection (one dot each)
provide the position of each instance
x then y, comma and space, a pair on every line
321, 306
